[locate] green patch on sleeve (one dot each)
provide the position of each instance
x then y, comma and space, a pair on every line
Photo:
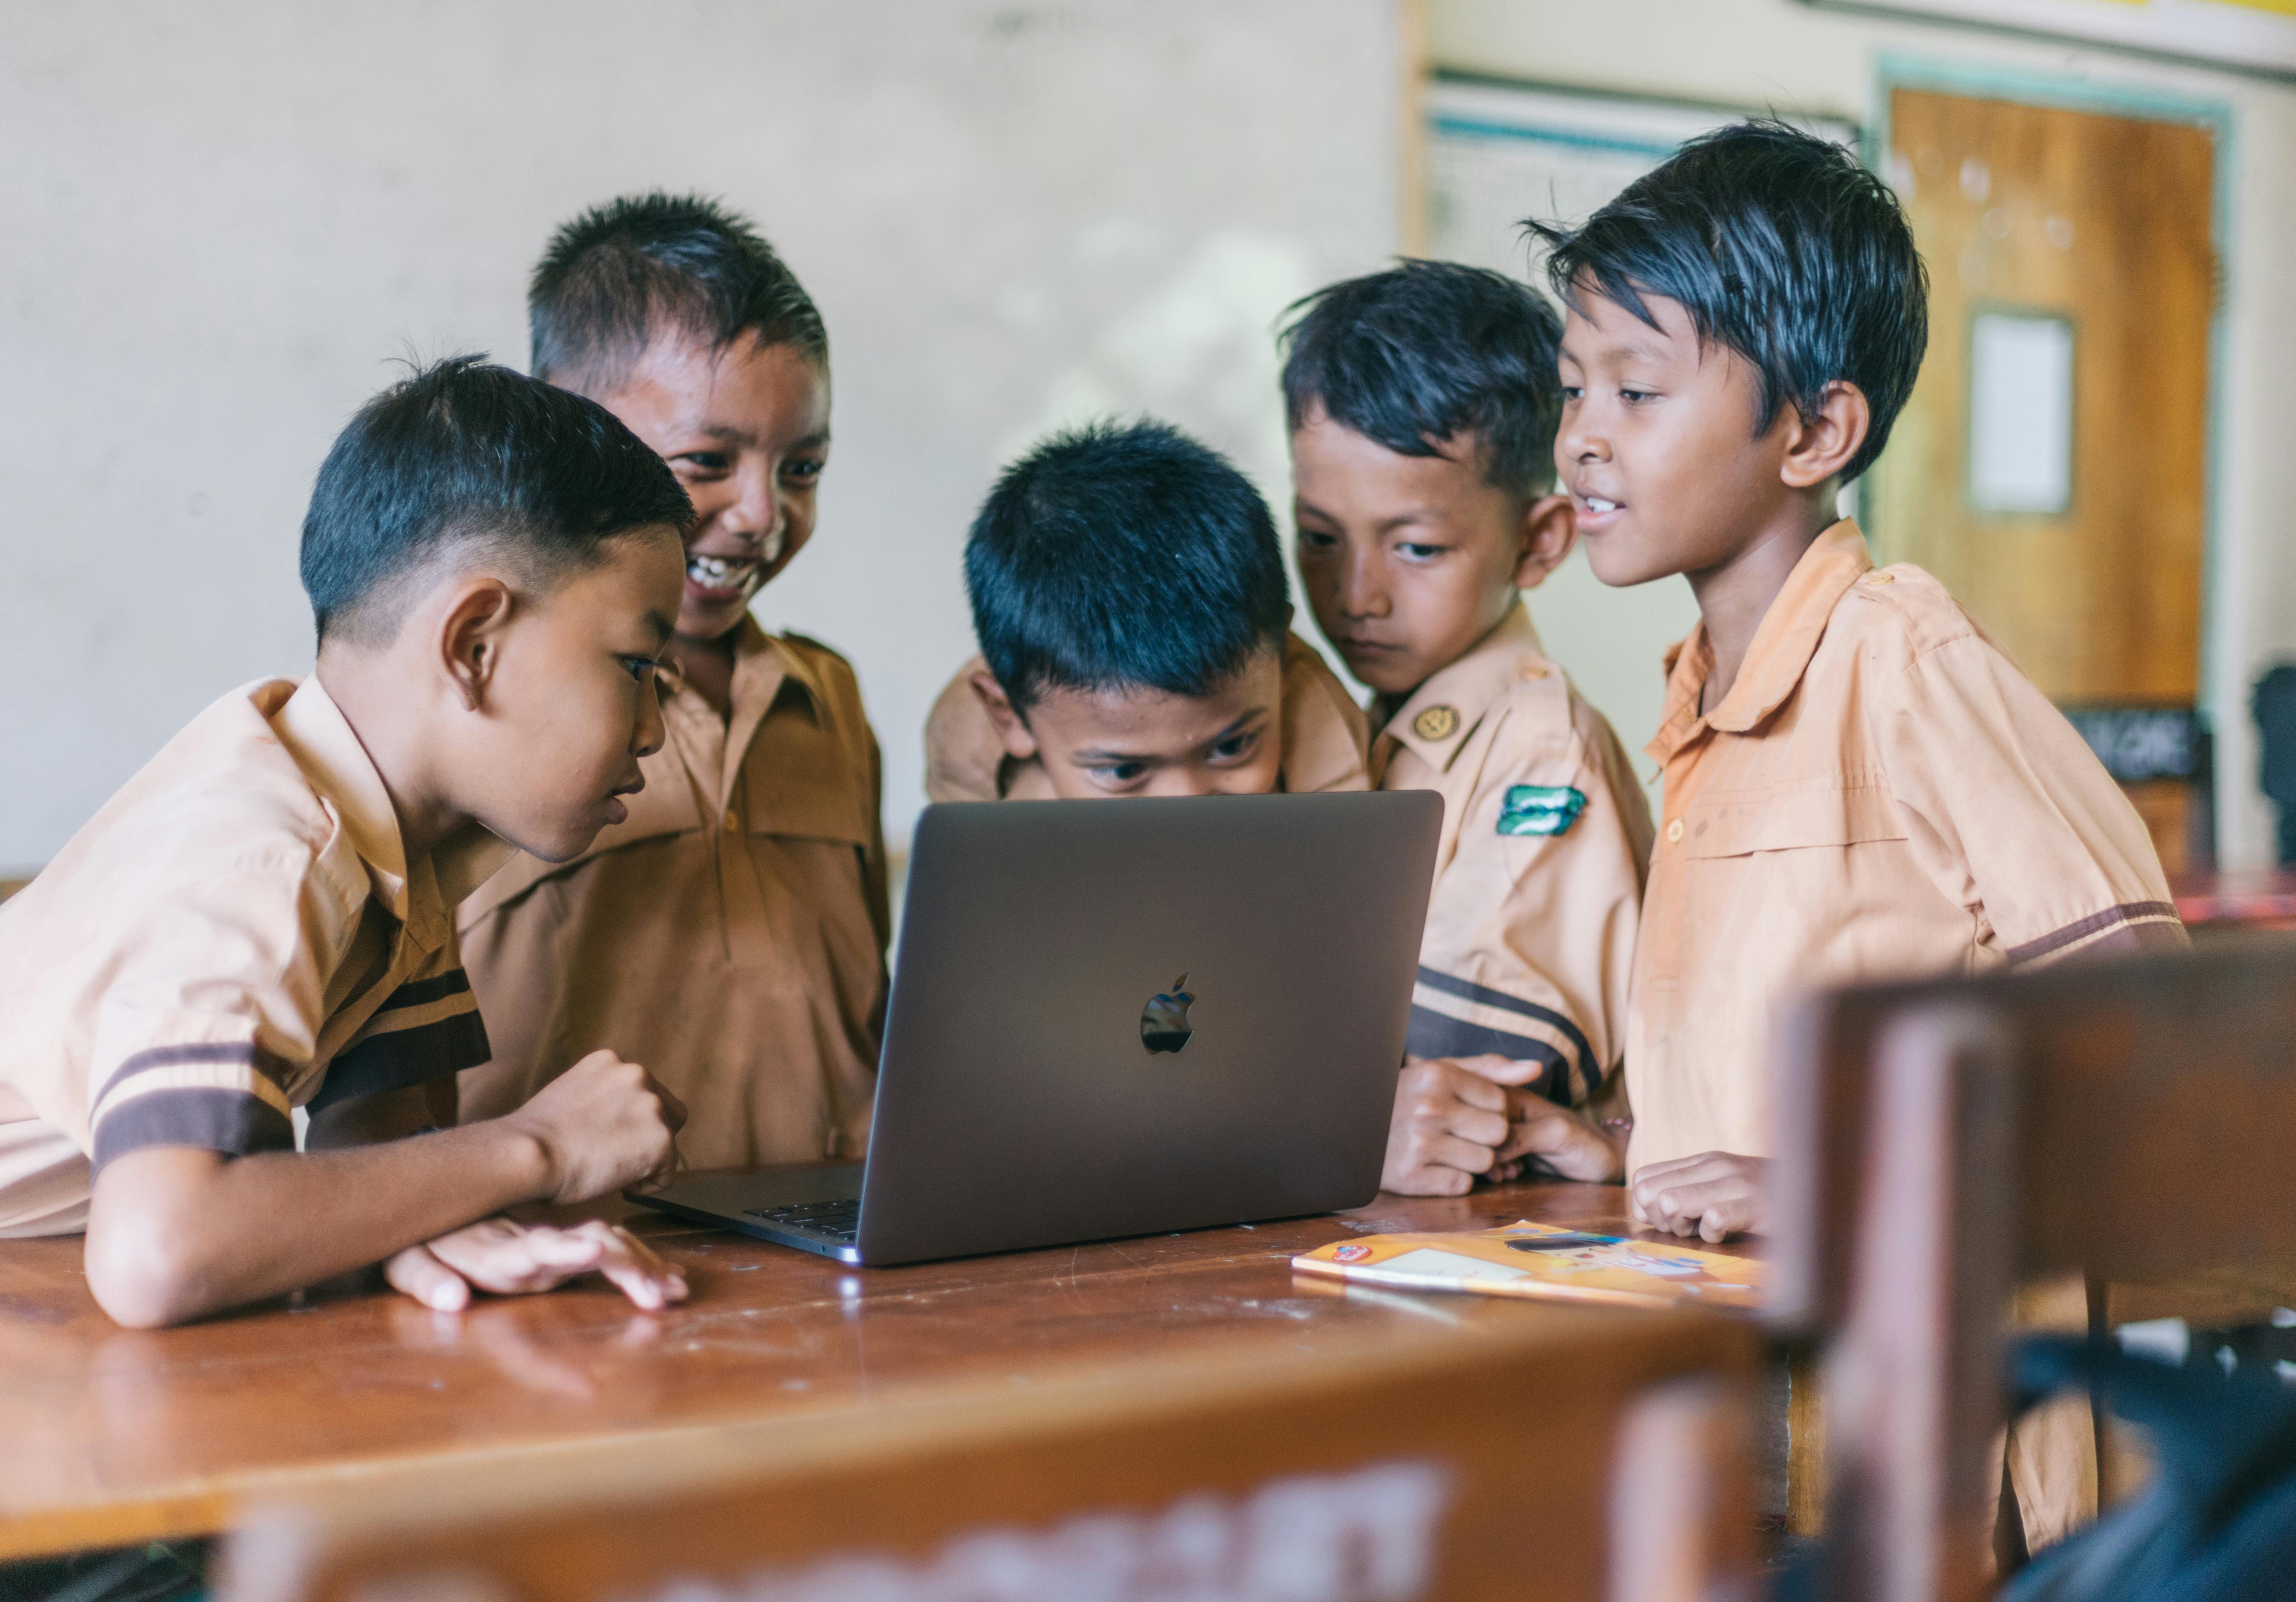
1540, 808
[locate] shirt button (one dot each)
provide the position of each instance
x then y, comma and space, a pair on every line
1674, 833
1533, 670
1881, 577
733, 821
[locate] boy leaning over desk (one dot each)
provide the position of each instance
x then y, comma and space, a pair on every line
261, 920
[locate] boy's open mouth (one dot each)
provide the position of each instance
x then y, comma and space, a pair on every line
727, 574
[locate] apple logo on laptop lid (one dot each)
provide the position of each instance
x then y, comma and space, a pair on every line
1164, 1020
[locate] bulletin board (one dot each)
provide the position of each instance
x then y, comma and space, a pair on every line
2247, 35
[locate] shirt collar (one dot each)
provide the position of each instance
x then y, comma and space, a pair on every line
420, 894
1466, 690
1322, 735
1782, 645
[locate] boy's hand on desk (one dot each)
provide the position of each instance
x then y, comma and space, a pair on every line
1713, 1195
1459, 1117
601, 1125
512, 1259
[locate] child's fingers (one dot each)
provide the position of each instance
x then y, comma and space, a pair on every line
642, 1275
421, 1276
1501, 1071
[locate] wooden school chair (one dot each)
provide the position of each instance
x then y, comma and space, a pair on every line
2129, 1119
1543, 1453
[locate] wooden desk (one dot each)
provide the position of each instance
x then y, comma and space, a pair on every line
108, 1436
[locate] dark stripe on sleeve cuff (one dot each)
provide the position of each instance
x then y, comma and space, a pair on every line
1433, 1035
215, 1120
421, 992
1484, 995
401, 1057
2073, 933
272, 1067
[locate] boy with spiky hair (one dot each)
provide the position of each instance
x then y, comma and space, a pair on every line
1422, 405
735, 922
1128, 592
261, 920
1859, 784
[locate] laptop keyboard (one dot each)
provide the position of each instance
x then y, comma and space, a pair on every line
840, 1221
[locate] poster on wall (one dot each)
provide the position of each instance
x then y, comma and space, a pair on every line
2251, 35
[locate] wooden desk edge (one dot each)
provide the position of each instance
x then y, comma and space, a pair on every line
367, 1504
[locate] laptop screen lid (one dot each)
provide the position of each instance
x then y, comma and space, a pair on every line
1111, 1020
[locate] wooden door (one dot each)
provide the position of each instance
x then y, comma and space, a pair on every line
2087, 237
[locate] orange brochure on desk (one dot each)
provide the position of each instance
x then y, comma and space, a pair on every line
1544, 1260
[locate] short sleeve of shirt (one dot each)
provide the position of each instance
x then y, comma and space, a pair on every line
2007, 809
209, 1021
1530, 929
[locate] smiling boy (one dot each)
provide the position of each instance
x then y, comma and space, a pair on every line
261, 920
1858, 783
735, 923
1423, 406
1128, 592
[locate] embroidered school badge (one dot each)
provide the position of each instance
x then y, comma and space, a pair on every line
1540, 808
1436, 723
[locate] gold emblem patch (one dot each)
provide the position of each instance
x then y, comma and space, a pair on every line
1436, 723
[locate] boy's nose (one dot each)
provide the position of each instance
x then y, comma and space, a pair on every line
1362, 593
759, 514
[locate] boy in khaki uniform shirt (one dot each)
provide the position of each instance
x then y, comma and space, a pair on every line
1859, 784
1422, 405
1129, 595
734, 924
260, 920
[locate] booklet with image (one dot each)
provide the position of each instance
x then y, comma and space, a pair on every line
1544, 1259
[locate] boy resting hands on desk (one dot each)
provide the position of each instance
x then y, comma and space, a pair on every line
262, 919
1422, 404
1859, 784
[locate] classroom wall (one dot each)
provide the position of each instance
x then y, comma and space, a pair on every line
225, 221
1791, 56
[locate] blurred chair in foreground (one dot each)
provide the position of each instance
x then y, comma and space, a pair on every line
2129, 1120
1521, 1453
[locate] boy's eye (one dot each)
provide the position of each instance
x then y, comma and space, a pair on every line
1116, 775
805, 470
640, 667
701, 461
1419, 551
1573, 392
1636, 396
1316, 541
1235, 747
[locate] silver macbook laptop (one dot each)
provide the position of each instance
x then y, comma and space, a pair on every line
1122, 1019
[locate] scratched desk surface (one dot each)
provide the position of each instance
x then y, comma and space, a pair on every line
108, 1436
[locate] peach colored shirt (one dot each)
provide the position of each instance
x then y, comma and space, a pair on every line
236, 933
1324, 735
729, 934
1538, 873
1880, 794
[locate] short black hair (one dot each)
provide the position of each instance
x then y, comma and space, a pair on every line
621, 275
1418, 354
1781, 246
468, 454
1123, 555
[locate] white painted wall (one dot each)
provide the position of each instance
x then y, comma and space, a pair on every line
224, 219
1790, 57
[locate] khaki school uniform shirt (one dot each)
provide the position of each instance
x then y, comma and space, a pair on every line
1882, 794
1538, 875
729, 934
1323, 730
238, 932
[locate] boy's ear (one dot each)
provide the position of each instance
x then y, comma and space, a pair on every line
1818, 447
1012, 729
1548, 535
469, 638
